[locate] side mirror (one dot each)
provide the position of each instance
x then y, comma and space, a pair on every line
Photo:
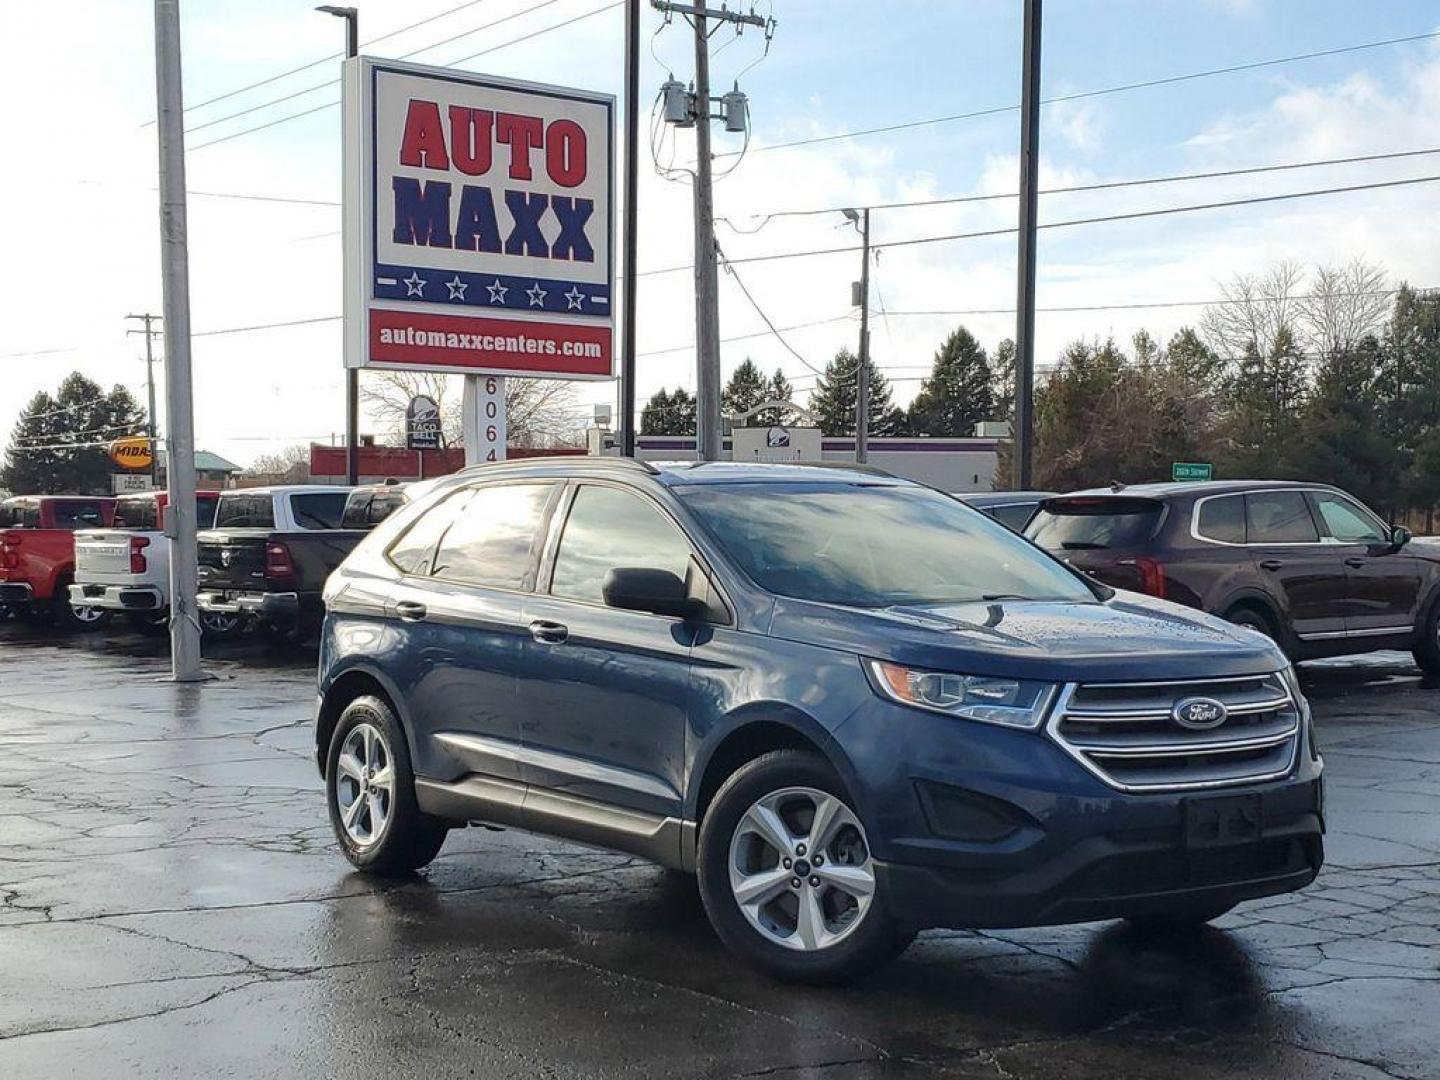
1399, 537
659, 592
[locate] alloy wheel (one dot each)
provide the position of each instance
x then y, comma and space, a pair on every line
86, 615
364, 784
800, 868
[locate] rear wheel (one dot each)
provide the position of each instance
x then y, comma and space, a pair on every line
370, 793
219, 624
786, 873
69, 617
1427, 650
150, 622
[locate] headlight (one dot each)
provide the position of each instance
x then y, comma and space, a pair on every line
1018, 703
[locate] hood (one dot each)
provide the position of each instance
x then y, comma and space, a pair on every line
1128, 637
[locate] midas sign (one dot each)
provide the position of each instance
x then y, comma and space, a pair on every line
132, 453
478, 223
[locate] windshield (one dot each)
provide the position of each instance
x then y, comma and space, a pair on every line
874, 545
1094, 524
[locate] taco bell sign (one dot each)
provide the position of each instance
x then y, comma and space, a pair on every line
478, 223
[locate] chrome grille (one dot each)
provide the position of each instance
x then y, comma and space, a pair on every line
1126, 733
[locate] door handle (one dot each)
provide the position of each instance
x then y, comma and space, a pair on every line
1271, 564
1355, 562
549, 633
410, 610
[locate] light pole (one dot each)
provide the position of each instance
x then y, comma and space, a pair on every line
629, 240
1024, 434
352, 375
861, 221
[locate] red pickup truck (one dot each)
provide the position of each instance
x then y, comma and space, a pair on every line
37, 554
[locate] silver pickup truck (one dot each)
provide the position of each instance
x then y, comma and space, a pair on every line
127, 568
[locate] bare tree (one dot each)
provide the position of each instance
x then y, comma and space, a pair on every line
1344, 305
539, 412
282, 461
1255, 310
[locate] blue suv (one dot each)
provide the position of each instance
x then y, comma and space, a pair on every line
853, 706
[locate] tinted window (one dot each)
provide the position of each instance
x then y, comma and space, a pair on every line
609, 528
245, 512
1014, 516
28, 516
357, 505
874, 545
79, 515
383, 505
7, 515
1345, 522
205, 510
1279, 517
137, 514
1223, 519
414, 552
322, 510
495, 538
1088, 524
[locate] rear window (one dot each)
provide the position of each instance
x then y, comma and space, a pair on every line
357, 510
1222, 519
1013, 516
1279, 517
1094, 524
322, 510
245, 512
78, 514
205, 510
137, 514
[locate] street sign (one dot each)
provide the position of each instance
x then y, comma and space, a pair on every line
129, 483
422, 423
478, 217
132, 452
1191, 470
779, 442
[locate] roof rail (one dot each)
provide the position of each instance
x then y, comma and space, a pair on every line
850, 466
594, 461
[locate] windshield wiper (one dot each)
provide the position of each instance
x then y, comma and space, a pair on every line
990, 596
1083, 545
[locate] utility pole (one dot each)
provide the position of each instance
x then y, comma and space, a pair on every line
352, 375
630, 241
707, 297
151, 427
175, 282
1024, 434
862, 367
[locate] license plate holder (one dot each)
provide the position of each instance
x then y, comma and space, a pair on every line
1222, 821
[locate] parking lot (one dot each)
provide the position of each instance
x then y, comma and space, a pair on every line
171, 903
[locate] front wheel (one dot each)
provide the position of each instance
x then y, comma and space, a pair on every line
787, 876
1427, 649
370, 793
1180, 920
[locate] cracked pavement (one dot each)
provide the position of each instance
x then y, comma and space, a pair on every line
172, 904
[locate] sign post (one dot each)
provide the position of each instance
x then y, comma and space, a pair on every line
478, 223
483, 419
1192, 470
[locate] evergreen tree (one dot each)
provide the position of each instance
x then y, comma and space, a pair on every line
668, 414
958, 392
1263, 410
779, 389
834, 397
58, 445
1002, 369
746, 389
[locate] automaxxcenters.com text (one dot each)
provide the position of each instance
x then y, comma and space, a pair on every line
514, 343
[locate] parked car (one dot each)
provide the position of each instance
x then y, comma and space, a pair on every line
271, 549
1305, 564
37, 554
1013, 509
126, 568
853, 705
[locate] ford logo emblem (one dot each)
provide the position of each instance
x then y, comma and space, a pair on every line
1199, 713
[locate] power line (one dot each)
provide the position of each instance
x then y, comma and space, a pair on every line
847, 317
266, 326
761, 311
1145, 84
1100, 186
1100, 219
1222, 301
323, 60
332, 104
403, 56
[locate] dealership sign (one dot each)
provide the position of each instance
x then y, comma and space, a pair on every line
478, 223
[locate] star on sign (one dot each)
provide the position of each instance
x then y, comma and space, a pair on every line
536, 295
457, 288
497, 292
574, 299
414, 284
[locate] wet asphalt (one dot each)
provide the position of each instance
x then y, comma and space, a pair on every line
172, 905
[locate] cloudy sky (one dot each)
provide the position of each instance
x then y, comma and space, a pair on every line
82, 245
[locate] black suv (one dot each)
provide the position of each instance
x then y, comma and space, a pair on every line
1305, 564
853, 705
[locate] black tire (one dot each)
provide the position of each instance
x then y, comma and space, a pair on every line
1253, 618
288, 635
220, 626
1427, 648
1181, 920
153, 623
408, 839
873, 941
66, 617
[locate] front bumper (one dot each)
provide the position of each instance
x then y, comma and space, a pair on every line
118, 597
17, 593
278, 608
